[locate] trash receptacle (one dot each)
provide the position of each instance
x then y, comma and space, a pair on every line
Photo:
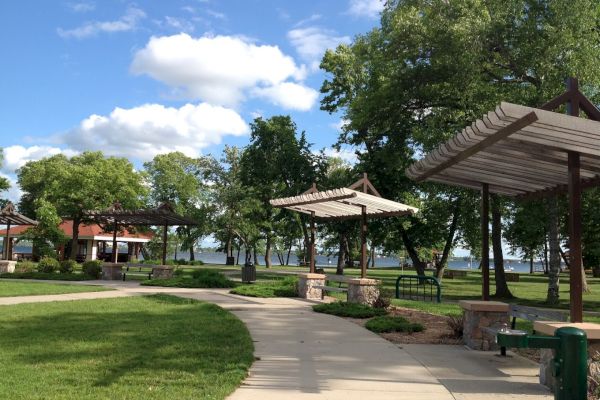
248, 272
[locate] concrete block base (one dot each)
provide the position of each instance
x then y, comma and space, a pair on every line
162, 272
363, 291
307, 283
482, 314
7, 266
112, 272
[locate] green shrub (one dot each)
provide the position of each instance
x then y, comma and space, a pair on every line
392, 324
352, 310
178, 272
182, 261
48, 265
151, 261
200, 279
92, 268
196, 262
384, 299
67, 266
25, 266
277, 288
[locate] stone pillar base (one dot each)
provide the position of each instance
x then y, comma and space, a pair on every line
7, 266
307, 283
162, 272
112, 272
482, 314
363, 291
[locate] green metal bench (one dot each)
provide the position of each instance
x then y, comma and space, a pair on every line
418, 287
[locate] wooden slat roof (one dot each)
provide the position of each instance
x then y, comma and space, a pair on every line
517, 150
343, 203
10, 215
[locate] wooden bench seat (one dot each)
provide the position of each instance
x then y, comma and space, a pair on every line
334, 278
130, 270
529, 314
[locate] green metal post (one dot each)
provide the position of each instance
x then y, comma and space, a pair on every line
571, 362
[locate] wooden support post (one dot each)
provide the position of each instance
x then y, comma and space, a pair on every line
312, 242
164, 252
115, 250
6, 240
575, 260
363, 243
485, 241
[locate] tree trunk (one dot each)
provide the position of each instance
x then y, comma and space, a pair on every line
412, 252
192, 254
237, 260
75, 241
502, 289
229, 248
268, 252
287, 259
546, 267
531, 263
552, 295
341, 255
449, 240
255, 255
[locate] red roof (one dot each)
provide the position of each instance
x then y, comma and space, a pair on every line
85, 231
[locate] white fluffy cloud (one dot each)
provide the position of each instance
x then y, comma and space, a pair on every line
366, 8
222, 70
145, 131
347, 155
127, 22
311, 43
17, 156
289, 95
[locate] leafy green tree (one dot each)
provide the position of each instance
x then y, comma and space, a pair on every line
278, 162
182, 181
88, 181
4, 184
433, 67
46, 236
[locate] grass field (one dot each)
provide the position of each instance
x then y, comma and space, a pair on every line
530, 290
18, 288
153, 347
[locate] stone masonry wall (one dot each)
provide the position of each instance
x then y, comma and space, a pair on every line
474, 321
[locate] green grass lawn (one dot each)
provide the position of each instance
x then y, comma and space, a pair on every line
530, 290
18, 288
152, 347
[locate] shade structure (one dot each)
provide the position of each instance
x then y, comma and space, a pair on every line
523, 151
161, 216
9, 216
517, 151
343, 203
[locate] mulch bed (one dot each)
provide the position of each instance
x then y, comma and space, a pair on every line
436, 330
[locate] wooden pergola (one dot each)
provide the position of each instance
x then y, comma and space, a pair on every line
525, 152
161, 216
10, 217
344, 204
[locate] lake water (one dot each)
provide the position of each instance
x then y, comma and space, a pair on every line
324, 261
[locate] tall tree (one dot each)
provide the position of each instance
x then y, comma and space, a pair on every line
182, 181
278, 162
88, 181
433, 67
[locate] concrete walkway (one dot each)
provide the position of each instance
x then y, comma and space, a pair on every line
306, 355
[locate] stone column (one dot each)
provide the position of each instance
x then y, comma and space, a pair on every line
162, 272
482, 314
7, 266
112, 272
363, 291
307, 283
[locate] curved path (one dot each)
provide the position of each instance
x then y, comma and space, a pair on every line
306, 355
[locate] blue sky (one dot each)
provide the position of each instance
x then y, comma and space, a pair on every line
135, 79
